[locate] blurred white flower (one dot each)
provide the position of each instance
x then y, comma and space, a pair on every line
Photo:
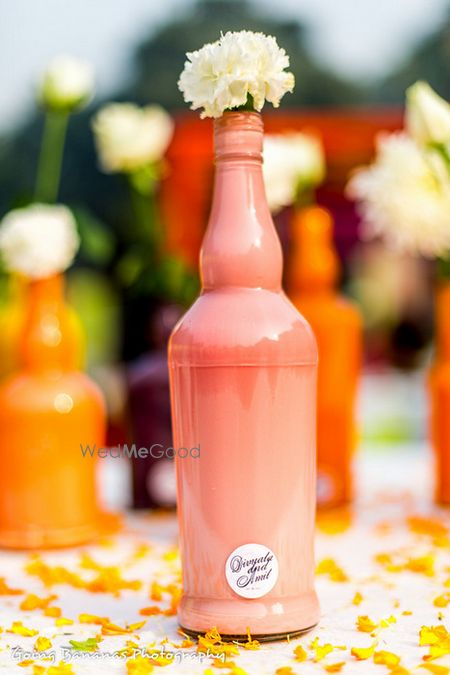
405, 197
66, 84
292, 162
222, 75
129, 138
427, 115
39, 240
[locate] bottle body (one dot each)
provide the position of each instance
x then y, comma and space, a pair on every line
337, 325
48, 410
48, 492
439, 387
242, 365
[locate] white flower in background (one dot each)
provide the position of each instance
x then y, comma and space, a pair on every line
66, 84
222, 75
292, 162
39, 240
129, 137
405, 197
427, 115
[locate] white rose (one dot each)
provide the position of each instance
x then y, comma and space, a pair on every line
39, 240
427, 115
128, 137
291, 162
66, 84
222, 75
405, 197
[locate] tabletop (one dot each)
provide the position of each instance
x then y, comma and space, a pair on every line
383, 579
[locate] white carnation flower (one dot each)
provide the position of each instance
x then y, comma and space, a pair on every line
129, 137
39, 240
66, 84
427, 115
405, 197
291, 162
221, 75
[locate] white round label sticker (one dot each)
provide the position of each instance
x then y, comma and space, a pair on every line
252, 570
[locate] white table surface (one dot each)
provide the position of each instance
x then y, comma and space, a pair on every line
393, 485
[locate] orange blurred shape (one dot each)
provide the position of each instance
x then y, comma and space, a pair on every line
313, 272
439, 384
47, 409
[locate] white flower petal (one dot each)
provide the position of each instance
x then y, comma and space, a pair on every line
427, 115
39, 240
291, 160
67, 83
405, 197
129, 137
220, 76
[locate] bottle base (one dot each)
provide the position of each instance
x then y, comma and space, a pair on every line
264, 619
37, 538
265, 637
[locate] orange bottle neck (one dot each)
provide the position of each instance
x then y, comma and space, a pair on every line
48, 342
241, 247
314, 265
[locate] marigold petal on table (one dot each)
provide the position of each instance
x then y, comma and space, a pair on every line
150, 611
7, 590
334, 667
19, 629
31, 602
320, 651
109, 628
385, 658
363, 653
300, 653
365, 625
139, 666
42, 644
442, 600
329, 567
435, 669
62, 621
430, 635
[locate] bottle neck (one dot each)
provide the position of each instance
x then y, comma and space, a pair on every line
313, 265
241, 247
48, 342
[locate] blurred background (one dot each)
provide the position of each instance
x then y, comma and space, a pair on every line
352, 61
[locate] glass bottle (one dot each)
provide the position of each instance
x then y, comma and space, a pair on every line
48, 410
313, 272
243, 365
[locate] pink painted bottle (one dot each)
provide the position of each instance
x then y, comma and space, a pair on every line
243, 365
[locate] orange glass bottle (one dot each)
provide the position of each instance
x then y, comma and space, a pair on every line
439, 383
48, 409
313, 273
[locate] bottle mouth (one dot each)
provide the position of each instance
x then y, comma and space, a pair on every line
242, 119
239, 134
